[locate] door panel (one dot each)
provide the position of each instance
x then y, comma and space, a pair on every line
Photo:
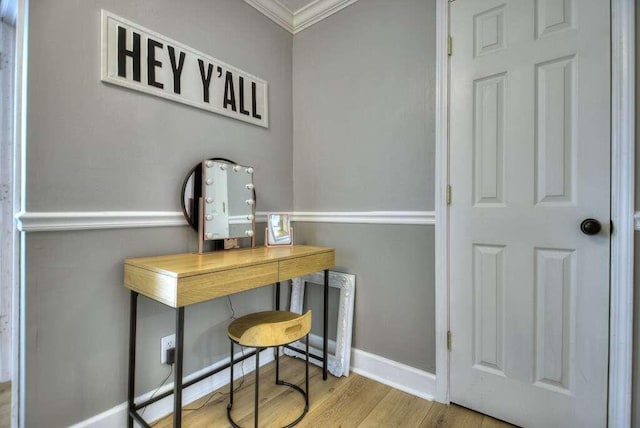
530, 156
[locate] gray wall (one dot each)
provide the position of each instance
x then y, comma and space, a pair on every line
394, 267
364, 140
94, 147
364, 99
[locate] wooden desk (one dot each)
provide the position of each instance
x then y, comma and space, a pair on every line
179, 280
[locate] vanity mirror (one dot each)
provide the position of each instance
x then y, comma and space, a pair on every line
279, 230
219, 201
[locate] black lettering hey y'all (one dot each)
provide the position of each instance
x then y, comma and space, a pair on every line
152, 63
177, 69
177, 59
229, 92
123, 53
206, 79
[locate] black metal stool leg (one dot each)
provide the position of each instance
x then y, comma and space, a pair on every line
231, 374
256, 403
306, 374
325, 327
277, 348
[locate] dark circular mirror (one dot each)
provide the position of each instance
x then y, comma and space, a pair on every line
191, 193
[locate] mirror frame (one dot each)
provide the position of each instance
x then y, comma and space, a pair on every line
340, 361
196, 172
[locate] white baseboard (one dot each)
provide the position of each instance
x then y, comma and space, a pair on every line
397, 375
117, 416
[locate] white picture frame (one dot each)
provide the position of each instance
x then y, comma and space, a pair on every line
340, 360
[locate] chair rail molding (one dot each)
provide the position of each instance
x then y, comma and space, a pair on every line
367, 217
91, 220
29, 221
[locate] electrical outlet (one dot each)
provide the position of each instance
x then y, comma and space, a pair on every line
166, 342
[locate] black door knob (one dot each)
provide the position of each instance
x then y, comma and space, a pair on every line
590, 226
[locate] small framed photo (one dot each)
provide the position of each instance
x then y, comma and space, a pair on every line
279, 231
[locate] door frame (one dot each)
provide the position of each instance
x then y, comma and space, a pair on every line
21, 8
622, 208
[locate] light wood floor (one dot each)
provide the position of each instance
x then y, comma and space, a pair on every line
5, 405
354, 401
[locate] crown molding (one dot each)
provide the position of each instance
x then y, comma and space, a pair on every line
275, 11
317, 11
296, 21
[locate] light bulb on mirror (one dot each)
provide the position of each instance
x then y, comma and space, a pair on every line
209, 217
250, 201
209, 181
250, 217
236, 168
249, 232
209, 163
250, 170
209, 235
223, 166
249, 186
209, 200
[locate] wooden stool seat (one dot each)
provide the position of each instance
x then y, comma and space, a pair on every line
269, 328
265, 330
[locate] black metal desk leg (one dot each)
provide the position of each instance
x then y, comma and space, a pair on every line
177, 383
276, 350
325, 327
133, 314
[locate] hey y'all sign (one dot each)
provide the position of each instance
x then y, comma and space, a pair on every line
140, 59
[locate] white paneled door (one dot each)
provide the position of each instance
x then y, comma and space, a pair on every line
530, 162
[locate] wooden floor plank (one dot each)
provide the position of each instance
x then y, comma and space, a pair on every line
443, 416
398, 409
354, 401
350, 407
5, 404
215, 410
489, 422
279, 405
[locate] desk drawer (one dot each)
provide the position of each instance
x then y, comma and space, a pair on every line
199, 288
300, 266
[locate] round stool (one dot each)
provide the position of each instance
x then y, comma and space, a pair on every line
268, 329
